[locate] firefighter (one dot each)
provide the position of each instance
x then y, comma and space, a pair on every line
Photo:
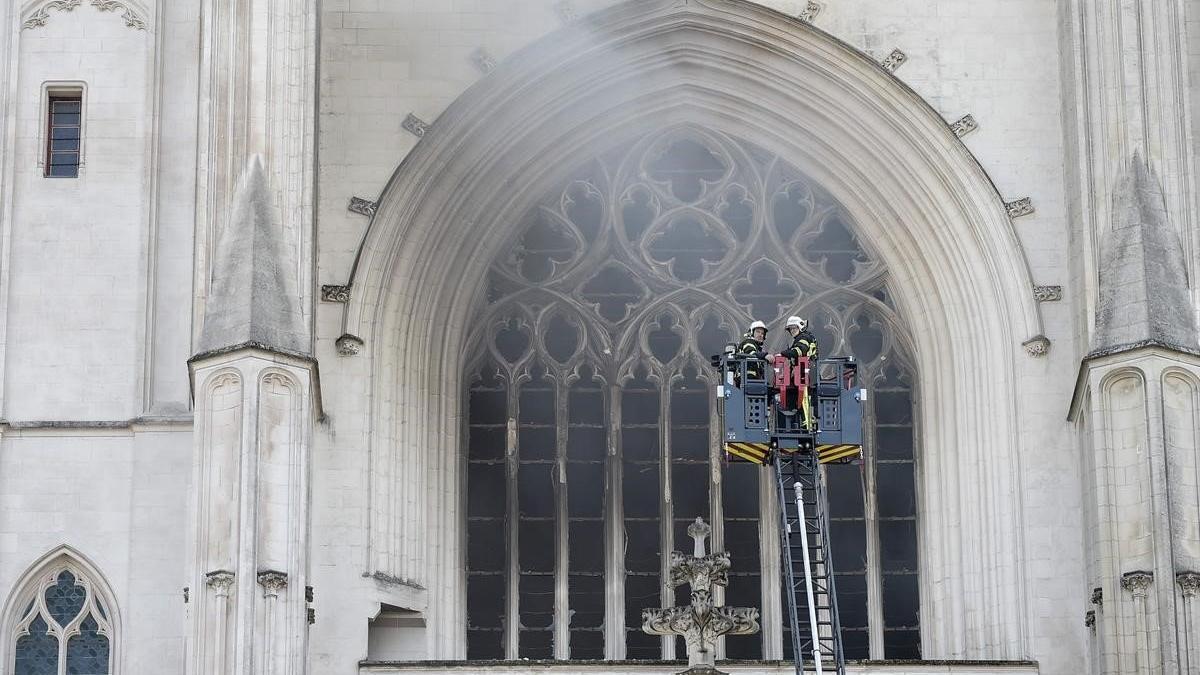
804, 345
751, 346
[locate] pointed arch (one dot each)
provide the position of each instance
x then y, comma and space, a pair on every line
27, 605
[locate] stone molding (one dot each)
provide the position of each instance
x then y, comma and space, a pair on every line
363, 207
349, 345
964, 125
1137, 582
1047, 293
335, 293
132, 18
41, 16
1037, 346
220, 581
272, 581
894, 60
415, 125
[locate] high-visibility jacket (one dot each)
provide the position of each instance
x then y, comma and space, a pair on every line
749, 346
804, 344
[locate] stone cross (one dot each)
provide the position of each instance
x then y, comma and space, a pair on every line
701, 623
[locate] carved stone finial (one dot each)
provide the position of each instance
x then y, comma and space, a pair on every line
699, 531
1097, 596
1019, 207
1137, 582
349, 345
1039, 345
894, 60
415, 125
220, 581
1189, 583
335, 293
964, 125
1089, 619
272, 581
1047, 293
364, 207
810, 11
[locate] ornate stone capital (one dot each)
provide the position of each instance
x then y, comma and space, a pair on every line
349, 345
964, 125
1137, 582
221, 581
1019, 207
415, 125
893, 60
363, 207
810, 11
1189, 583
335, 293
1097, 596
272, 581
1038, 345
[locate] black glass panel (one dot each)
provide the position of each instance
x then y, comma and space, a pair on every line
587, 645
487, 548
486, 600
585, 546
894, 442
535, 545
585, 496
898, 545
895, 490
536, 644
586, 407
484, 645
640, 445
641, 546
902, 644
739, 490
586, 597
844, 491
689, 491
535, 485
642, 491
488, 490
900, 600
852, 600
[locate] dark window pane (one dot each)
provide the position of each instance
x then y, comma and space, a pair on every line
743, 591
87, 652
642, 491
898, 545
739, 490
640, 445
487, 549
893, 407
485, 645
536, 597
741, 541
587, 645
586, 597
587, 444
37, 652
70, 145
848, 541
639, 646
585, 542
894, 442
485, 443
489, 407
900, 600
65, 133
585, 492
844, 490
535, 497
690, 444
535, 543
586, 407
65, 119
537, 405
65, 170
896, 491
65, 104
689, 490
488, 490
852, 600
536, 644
856, 644
485, 600
639, 407
689, 409
902, 644
641, 592
536, 443
65, 599
641, 546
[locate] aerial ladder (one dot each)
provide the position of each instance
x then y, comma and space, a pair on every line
765, 422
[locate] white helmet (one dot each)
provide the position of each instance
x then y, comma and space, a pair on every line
797, 322
757, 324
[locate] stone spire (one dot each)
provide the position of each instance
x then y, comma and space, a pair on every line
254, 299
1143, 279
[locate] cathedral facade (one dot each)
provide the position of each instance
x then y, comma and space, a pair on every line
373, 336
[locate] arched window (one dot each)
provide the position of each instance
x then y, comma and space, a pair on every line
591, 439
64, 625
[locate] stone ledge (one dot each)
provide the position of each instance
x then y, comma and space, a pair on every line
881, 667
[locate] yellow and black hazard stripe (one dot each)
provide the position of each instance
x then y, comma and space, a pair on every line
833, 453
751, 452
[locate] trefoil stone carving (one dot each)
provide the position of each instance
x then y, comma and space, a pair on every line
1037, 346
894, 60
1137, 582
1047, 293
703, 622
334, 293
132, 20
415, 125
42, 14
484, 61
363, 207
349, 345
964, 125
1020, 207
810, 11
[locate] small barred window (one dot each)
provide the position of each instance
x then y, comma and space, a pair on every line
64, 127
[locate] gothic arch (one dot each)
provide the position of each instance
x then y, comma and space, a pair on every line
99, 594
920, 199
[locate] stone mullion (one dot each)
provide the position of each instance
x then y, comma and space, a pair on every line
666, 510
614, 568
512, 517
716, 509
562, 614
871, 531
773, 613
